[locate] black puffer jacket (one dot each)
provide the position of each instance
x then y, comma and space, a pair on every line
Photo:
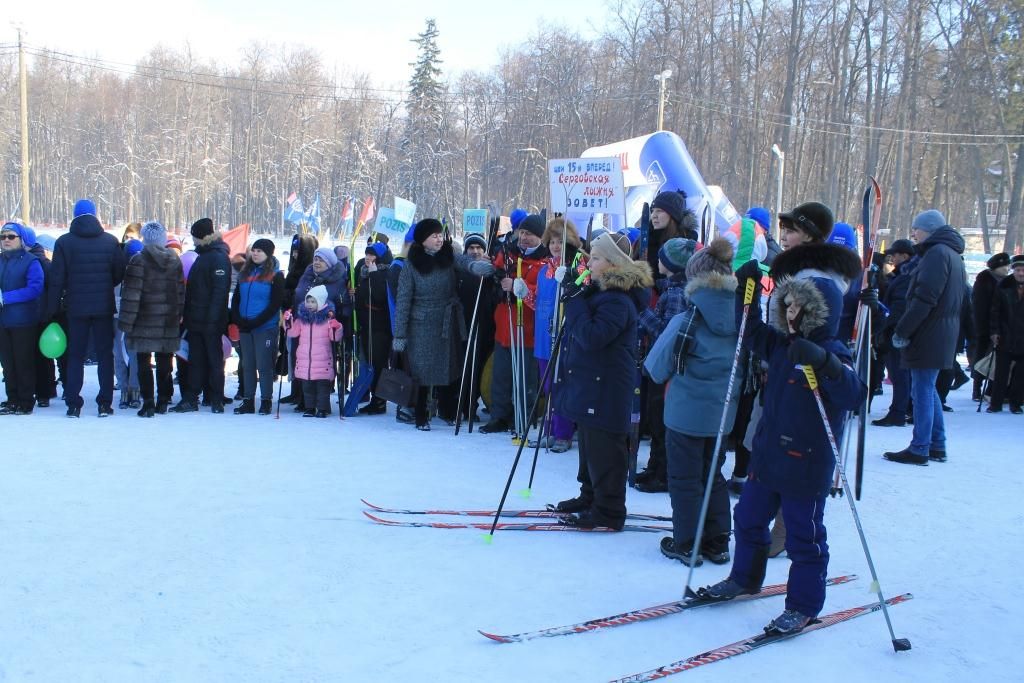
935, 301
87, 265
152, 300
1007, 315
209, 281
983, 298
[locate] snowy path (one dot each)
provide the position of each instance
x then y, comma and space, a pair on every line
199, 548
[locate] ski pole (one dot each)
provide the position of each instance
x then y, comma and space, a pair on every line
898, 644
748, 298
519, 452
470, 346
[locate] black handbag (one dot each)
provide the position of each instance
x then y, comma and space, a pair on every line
397, 386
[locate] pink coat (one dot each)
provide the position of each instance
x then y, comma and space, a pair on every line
313, 356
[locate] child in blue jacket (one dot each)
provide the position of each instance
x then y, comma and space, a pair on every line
792, 461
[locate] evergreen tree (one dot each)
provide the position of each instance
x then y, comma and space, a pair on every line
423, 143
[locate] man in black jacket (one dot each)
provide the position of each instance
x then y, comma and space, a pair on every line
206, 318
1007, 328
928, 331
985, 285
902, 256
87, 265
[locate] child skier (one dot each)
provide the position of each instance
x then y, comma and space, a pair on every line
792, 462
316, 331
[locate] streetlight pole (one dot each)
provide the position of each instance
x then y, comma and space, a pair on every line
781, 156
25, 206
662, 77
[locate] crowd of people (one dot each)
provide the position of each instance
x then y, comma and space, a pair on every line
589, 323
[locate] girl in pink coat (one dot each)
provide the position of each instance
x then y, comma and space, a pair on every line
316, 331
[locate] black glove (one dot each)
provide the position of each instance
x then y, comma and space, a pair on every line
751, 270
571, 290
869, 298
804, 352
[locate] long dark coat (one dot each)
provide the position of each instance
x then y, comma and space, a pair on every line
152, 301
428, 315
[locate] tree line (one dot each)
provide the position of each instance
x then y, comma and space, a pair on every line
926, 95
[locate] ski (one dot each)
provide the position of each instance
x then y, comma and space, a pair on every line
518, 526
647, 613
548, 513
870, 280
754, 642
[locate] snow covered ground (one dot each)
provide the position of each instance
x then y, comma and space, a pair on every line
233, 548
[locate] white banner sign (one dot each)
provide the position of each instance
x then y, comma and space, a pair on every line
587, 186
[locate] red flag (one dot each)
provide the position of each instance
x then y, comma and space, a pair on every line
237, 238
368, 212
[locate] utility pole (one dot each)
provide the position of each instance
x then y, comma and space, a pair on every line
662, 77
25, 208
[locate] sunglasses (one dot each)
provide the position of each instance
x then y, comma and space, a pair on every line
8, 236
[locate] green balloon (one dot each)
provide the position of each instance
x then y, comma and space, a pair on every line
52, 342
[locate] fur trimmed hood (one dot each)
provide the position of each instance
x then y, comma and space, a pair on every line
424, 263
208, 240
838, 263
821, 305
634, 275
712, 281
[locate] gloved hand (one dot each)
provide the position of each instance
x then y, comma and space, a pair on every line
869, 298
398, 344
899, 342
751, 270
520, 288
805, 352
481, 268
571, 290
334, 324
560, 273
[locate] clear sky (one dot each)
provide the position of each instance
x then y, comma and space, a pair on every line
370, 36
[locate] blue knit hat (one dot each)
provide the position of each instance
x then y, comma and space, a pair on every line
83, 207
759, 214
676, 253
843, 234
517, 216
632, 234
929, 221
132, 247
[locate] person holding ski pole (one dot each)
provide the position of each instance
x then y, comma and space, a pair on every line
792, 461
694, 356
596, 375
374, 315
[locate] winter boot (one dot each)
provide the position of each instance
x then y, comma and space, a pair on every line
377, 406
778, 537
561, 445
789, 621
890, 420
123, 403
185, 406
684, 554
907, 457
935, 455
161, 406
104, 410
577, 504
716, 549
726, 589
246, 407
652, 485
147, 409
495, 426
134, 398
266, 406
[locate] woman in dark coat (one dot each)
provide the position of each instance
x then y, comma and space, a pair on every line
429, 321
597, 374
373, 312
300, 257
1007, 327
21, 282
152, 303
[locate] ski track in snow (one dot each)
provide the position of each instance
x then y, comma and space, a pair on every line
202, 547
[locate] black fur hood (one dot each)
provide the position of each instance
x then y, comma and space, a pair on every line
836, 262
425, 264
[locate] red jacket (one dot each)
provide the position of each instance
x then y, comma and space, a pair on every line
532, 265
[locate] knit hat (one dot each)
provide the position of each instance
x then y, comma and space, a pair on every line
84, 207
425, 228
901, 246
998, 260
265, 245
474, 239
613, 248
676, 253
320, 294
152, 233
673, 203
202, 228
632, 234
929, 221
516, 217
132, 247
327, 255
714, 258
173, 242
533, 224
1017, 260
759, 214
843, 235
377, 249
813, 218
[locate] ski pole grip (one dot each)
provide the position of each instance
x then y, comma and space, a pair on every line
812, 379
583, 276
748, 293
